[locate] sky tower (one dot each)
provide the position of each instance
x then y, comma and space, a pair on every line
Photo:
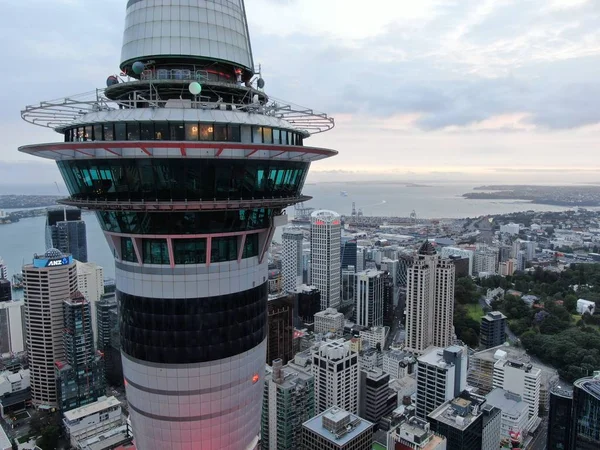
188, 165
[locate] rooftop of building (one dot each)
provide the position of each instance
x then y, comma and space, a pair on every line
494, 315
520, 365
435, 356
459, 413
370, 273
563, 390
292, 376
337, 426
590, 384
427, 248
330, 313
508, 402
100, 405
376, 374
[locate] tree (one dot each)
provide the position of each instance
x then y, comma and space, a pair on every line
50, 437
469, 337
570, 303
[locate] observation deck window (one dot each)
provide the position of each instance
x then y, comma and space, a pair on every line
177, 131
206, 132
189, 251
109, 131
191, 132
98, 132
133, 131
155, 251
224, 249
182, 131
250, 246
161, 131
127, 250
120, 131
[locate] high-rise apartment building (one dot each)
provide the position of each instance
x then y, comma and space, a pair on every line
329, 321
376, 398
66, 232
90, 282
390, 297
3, 270
288, 402
336, 429
492, 329
530, 247
369, 298
189, 165
522, 379
429, 301
291, 263
280, 328
447, 252
107, 318
521, 261
585, 415
559, 418
335, 368
12, 325
47, 282
485, 260
441, 376
325, 269
80, 376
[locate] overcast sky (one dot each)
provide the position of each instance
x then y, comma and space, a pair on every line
418, 88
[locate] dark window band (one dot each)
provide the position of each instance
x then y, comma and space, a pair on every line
182, 179
182, 131
127, 222
187, 331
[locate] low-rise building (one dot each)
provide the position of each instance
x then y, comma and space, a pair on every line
374, 336
586, 306
514, 411
329, 321
92, 419
15, 391
416, 434
398, 364
336, 429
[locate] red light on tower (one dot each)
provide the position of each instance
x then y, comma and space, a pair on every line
255, 378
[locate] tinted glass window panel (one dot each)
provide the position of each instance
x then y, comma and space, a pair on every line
257, 135
191, 131
206, 132
234, 133
224, 249
98, 132
250, 246
189, 251
161, 131
267, 135
284, 137
133, 131
109, 133
220, 132
246, 131
147, 131
177, 131
276, 136
127, 250
87, 136
120, 131
155, 251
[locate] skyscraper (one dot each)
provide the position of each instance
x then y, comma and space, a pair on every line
429, 301
90, 282
80, 376
189, 166
376, 398
585, 416
559, 418
369, 298
493, 329
288, 402
349, 254
12, 325
485, 260
441, 376
291, 264
3, 270
66, 232
325, 235
335, 368
281, 328
47, 283
5, 290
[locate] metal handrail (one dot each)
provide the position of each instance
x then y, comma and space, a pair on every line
58, 114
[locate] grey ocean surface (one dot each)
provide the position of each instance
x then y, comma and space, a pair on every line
19, 241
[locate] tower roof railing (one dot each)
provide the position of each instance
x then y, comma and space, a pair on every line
60, 113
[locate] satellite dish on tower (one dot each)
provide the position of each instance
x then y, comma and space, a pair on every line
260, 83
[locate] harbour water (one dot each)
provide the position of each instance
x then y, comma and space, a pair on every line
19, 241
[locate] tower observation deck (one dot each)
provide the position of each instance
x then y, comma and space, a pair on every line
189, 165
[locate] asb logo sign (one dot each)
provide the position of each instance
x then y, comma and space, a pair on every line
58, 262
